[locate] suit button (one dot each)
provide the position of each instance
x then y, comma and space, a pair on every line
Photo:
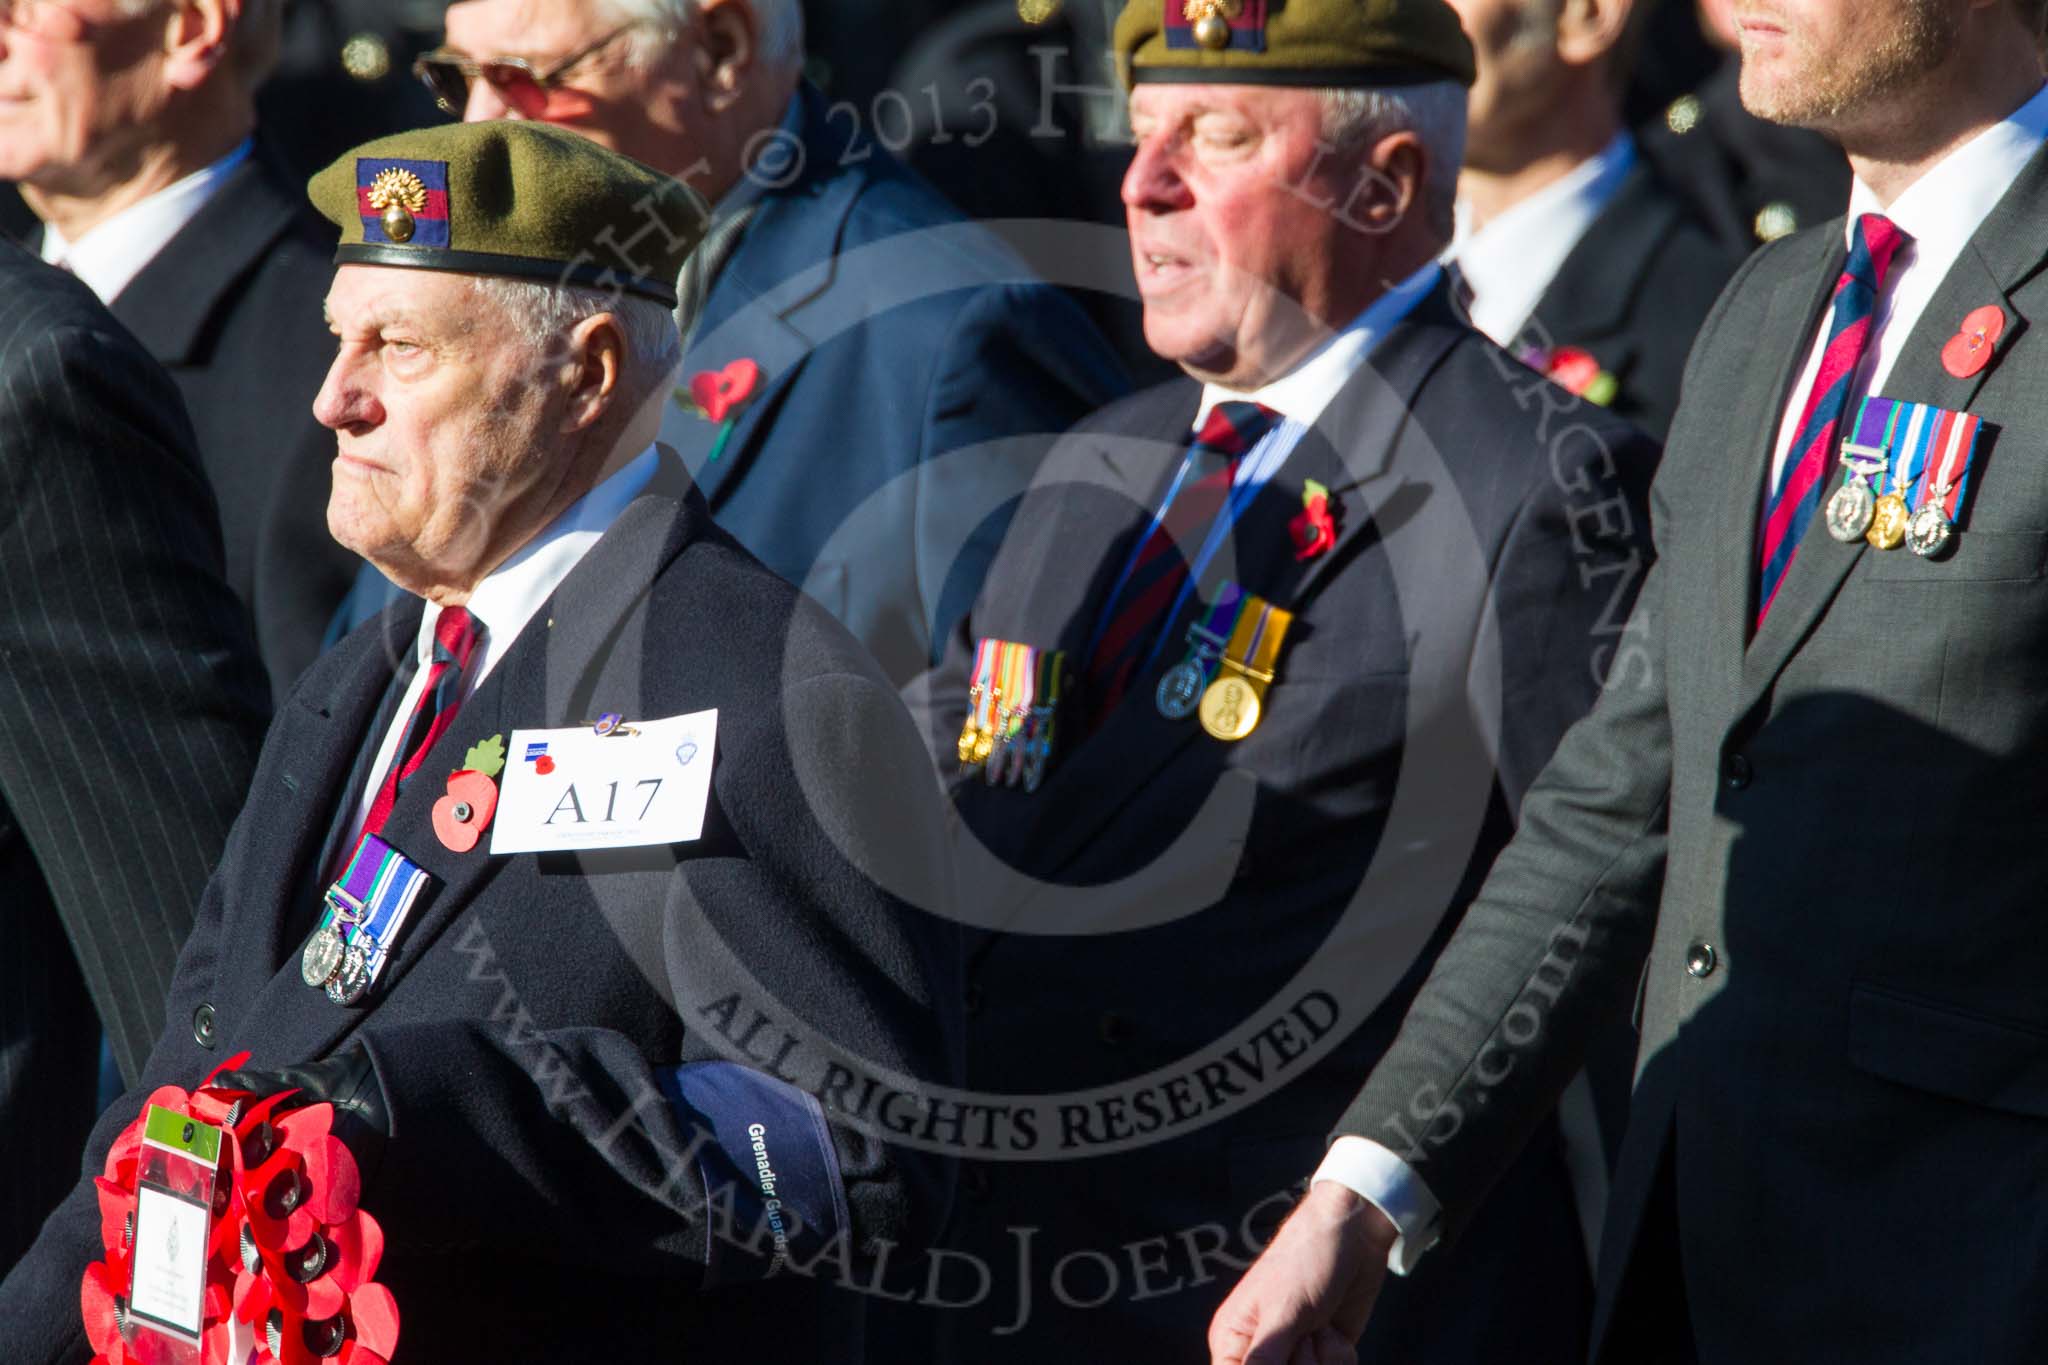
1736, 772
975, 1000
975, 1181
1118, 1029
202, 1026
1701, 960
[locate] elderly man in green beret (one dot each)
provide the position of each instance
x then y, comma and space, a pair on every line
557, 879
1249, 698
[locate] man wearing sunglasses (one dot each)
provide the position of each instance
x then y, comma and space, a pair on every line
130, 127
875, 378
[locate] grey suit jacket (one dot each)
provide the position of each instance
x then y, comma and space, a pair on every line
1825, 845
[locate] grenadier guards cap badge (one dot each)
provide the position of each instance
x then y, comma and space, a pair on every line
1292, 42
513, 198
402, 197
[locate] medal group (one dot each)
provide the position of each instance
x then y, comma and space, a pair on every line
1019, 691
1907, 470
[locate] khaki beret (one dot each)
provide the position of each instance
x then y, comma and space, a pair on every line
512, 197
1338, 43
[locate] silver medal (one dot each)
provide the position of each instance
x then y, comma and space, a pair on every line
322, 956
352, 980
999, 748
1034, 763
1930, 530
1851, 511
1020, 750
1180, 691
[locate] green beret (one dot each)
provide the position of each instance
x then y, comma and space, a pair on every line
516, 198
1339, 43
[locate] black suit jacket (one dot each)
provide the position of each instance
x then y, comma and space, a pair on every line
1148, 914
541, 1195
1754, 181
130, 710
1634, 292
232, 307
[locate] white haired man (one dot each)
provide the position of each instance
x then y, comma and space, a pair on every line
869, 380
131, 128
542, 1058
1304, 623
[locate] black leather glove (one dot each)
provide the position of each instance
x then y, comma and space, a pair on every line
346, 1080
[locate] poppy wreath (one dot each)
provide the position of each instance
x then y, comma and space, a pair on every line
291, 1259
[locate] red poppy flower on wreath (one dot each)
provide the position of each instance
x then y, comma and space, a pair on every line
291, 1259
1315, 528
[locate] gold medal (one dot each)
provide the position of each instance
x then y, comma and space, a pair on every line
1231, 707
1235, 702
1888, 524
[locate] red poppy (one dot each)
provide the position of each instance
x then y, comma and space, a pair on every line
290, 1248
719, 392
1315, 528
1971, 348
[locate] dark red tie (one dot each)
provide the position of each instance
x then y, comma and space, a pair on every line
1161, 566
456, 638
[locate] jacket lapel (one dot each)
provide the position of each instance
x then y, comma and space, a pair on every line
2005, 251
753, 333
1348, 451
1772, 371
1590, 298
544, 681
172, 299
769, 304
321, 740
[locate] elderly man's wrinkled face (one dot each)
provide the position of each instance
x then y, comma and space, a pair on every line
443, 422
75, 78
1237, 213
642, 109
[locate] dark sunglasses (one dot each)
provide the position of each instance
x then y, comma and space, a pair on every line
447, 76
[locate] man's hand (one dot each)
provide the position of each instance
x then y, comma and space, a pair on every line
346, 1080
1306, 1300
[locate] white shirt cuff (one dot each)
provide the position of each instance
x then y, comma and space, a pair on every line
1390, 1185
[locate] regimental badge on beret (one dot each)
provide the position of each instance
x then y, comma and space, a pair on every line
1215, 25
512, 198
403, 203
1303, 43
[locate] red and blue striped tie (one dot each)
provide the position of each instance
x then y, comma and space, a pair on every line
1161, 565
1877, 241
456, 637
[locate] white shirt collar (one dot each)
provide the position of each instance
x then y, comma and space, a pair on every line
1511, 261
507, 599
113, 253
1303, 392
1943, 209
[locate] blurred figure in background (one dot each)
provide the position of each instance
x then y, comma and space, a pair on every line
1582, 260
131, 706
135, 143
869, 380
1757, 181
